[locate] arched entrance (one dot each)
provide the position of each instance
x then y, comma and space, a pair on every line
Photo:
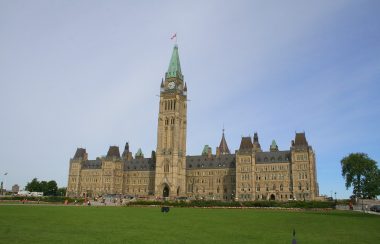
165, 192
272, 197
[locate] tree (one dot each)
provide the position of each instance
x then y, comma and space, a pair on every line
61, 191
52, 188
34, 185
49, 188
361, 173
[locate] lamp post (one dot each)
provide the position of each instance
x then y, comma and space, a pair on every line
3, 187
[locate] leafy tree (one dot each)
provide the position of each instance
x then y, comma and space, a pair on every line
361, 173
49, 188
61, 191
44, 187
34, 185
52, 188
371, 186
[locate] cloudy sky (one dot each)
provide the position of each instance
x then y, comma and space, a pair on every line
87, 74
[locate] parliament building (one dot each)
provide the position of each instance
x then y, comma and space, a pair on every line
250, 173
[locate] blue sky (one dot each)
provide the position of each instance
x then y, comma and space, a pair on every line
86, 74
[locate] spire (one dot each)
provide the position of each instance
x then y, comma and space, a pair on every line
256, 143
174, 69
273, 146
127, 154
207, 151
223, 148
139, 154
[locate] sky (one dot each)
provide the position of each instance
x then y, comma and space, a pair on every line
87, 74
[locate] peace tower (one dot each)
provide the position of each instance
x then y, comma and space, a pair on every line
170, 174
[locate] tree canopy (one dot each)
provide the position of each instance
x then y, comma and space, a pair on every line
361, 173
49, 188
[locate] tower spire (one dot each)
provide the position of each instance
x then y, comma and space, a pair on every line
174, 69
223, 148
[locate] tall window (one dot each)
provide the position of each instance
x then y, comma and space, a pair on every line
166, 168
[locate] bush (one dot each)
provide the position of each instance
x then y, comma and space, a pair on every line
51, 199
259, 204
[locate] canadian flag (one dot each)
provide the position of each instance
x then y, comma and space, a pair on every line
174, 36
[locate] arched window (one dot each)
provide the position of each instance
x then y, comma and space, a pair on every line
274, 187
299, 186
166, 168
258, 188
281, 187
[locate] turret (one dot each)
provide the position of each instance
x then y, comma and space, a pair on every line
139, 154
207, 151
127, 155
223, 147
256, 144
273, 147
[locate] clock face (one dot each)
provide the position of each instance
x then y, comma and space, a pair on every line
171, 85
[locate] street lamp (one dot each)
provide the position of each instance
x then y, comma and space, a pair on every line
3, 185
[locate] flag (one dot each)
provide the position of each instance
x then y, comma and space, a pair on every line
174, 36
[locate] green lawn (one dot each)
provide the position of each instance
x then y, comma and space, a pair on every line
74, 224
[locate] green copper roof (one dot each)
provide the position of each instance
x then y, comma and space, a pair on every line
139, 153
174, 69
206, 149
273, 146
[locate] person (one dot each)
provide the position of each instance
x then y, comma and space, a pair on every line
88, 203
350, 205
366, 208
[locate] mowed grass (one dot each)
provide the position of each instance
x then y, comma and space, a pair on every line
78, 224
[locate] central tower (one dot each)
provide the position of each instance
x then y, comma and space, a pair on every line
170, 178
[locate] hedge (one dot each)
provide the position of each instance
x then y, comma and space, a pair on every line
53, 199
263, 204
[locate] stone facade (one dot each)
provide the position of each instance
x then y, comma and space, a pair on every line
248, 174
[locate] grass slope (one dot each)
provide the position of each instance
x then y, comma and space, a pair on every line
64, 224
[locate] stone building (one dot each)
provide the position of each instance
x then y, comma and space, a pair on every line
15, 189
246, 175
